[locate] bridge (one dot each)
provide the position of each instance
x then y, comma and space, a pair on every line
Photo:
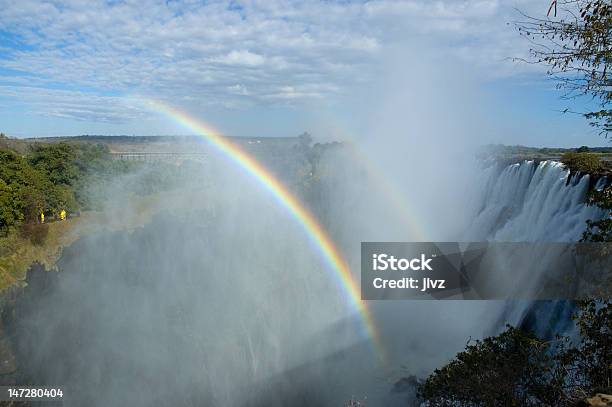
157, 156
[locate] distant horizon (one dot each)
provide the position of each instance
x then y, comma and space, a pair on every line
287, 137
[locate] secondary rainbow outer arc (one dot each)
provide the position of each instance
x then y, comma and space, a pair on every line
309, 223
391, 191
384, 183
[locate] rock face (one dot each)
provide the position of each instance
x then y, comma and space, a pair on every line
11, 300
599, 400
8, 366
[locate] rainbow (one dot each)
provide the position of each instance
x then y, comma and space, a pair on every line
302, 215
382, 182
392, 192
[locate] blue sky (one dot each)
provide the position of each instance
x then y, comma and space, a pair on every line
274, 67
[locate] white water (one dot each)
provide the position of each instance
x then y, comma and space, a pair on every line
530, 202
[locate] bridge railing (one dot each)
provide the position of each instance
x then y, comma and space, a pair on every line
156, 156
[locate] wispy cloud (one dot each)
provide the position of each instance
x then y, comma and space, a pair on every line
65, 58
74, 104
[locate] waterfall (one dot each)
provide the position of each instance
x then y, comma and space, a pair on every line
531, 202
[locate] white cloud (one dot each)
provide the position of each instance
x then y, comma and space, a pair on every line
75, 105
279, 50
238, 89
241, 58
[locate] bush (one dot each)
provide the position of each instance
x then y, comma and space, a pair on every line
599, 230
35, 232
509, 369
516, 368
52, 177
56, 161
583, 162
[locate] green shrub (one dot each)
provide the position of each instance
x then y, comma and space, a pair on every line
51, 177
56, 161
516, 368
599, 230
583, 162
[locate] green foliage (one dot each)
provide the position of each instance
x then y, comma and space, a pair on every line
52, 177
22, 190
577, 48
57, 161
516, 368
590, 361
583, 162
507, 369
582, 149
9, 212
601, 119
601, 198
600, 230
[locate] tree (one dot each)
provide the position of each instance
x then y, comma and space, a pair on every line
600, 230
23, 187
54, 177
577, 48
588, 363
27, 187
9, 212
518, 368
584, 162
57, 161
305, 139
508, 369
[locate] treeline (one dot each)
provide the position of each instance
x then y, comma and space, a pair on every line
519, 149
53, 177
46, 180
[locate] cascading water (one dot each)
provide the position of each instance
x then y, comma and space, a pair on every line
531, 202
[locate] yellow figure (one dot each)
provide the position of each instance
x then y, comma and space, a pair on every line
63, 215
42, 217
